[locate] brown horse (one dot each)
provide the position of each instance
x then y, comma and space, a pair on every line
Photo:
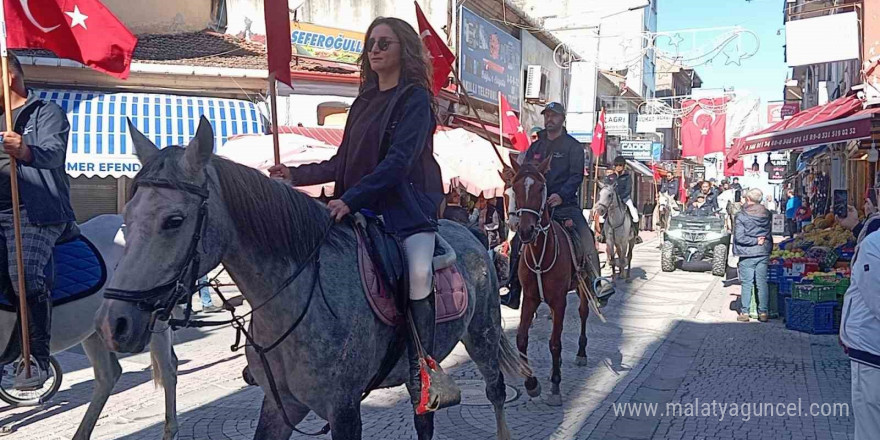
546, 267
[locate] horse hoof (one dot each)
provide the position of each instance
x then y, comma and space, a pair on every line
535, 391
580, 361
628, 281
553, 400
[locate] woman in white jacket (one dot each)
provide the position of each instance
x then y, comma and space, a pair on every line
860, 327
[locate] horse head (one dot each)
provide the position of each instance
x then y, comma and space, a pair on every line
530, 198
607, 197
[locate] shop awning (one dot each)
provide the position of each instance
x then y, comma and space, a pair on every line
838, 121
640, 168
99, 144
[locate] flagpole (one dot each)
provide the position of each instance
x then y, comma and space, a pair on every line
500, 121
488, 135
273, 108
16, 209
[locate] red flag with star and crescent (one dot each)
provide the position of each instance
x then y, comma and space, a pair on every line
442, 58
703, 129
598, 143
511, 128
80, 30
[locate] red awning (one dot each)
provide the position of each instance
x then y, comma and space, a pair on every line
329, 136
840, 120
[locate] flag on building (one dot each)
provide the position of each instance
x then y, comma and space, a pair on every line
278, 39
703, 129
84, 31
598, 142
442, 58
511, 128
682, 187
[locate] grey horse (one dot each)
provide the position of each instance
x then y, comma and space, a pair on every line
620, 231
329, 342
72, 324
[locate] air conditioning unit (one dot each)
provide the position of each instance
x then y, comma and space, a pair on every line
536, 83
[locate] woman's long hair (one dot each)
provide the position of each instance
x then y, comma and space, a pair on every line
414, 65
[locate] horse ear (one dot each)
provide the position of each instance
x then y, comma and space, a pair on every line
545, 165
201, 147
514, 164
144, 148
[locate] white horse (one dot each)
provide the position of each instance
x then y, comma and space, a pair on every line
73, 323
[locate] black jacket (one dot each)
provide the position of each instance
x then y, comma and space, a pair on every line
624, 185
752, 222
711, 198
567, 169
703, 211
669, 187
42, 182
405, 187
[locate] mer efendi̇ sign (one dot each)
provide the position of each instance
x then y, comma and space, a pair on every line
490, 60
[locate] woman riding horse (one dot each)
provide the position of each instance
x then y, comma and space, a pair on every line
385, 165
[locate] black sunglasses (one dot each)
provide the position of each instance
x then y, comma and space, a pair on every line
383, 43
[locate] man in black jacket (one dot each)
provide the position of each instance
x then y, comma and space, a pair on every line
669, 186
563, 185
753, 243
38, 142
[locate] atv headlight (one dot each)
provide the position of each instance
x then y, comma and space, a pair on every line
711, 236
675, 233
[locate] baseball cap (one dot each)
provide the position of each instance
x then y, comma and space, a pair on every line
554, 107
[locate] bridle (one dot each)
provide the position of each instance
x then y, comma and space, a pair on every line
543, 229
537, 263
161, 300
607, 208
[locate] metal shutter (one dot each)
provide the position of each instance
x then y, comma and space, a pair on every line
91, 197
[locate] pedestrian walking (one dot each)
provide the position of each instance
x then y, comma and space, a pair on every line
860, 327
205, 296
752, 243
791, 207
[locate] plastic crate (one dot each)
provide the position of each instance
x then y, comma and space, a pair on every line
774, 272
810, 317
781, 303
786, 284
840, 283
814, 293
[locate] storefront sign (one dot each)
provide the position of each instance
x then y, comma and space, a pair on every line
779, 111
636, 150
777, 173
617, 124
664, 121
842, 130
326, 42
656, 151
699, 172
490, 61
646, 123
778, 227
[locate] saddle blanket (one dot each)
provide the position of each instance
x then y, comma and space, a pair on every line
79, 272
450, 289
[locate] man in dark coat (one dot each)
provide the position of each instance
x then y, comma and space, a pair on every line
753, 243
563, 187
38, 142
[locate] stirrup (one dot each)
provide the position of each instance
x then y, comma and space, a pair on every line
438, 389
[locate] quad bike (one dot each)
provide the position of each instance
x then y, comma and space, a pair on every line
693, 239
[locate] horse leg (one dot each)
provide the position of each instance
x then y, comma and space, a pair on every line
558, 310
484, 346
107, 372
629, 259
584, 312
530, 305
345, 422
164, 363
424, 426
271, 424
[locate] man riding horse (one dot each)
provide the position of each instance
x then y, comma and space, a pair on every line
38, 141
563, 187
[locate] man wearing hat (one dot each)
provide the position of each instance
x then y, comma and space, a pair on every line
563, 186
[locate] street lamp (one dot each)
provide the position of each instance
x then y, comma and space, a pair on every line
768, 166
755, 167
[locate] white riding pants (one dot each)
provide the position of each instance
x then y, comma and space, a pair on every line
866, 400
632, 209
420, 259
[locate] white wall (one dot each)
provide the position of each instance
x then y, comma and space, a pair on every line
357, 15
535, 52
162, 16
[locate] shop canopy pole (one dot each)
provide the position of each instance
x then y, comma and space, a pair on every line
273, 103
16, 208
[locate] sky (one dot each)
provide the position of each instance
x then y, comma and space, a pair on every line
764, 73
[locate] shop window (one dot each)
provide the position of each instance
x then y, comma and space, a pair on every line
91, 197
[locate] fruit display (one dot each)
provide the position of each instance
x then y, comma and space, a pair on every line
780, 253
833, 236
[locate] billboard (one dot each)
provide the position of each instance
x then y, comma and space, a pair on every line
822, 39
326, 42
636, 150
490, 60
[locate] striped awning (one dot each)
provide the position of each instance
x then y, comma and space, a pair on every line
99, 144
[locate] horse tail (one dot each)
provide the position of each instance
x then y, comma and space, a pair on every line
158, 382
513, 363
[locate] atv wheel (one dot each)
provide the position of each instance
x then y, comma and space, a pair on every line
667, 257
719, 260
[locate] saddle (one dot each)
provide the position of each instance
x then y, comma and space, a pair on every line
383, 270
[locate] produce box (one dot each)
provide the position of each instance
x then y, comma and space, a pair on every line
786, 285
810, 317
814, 292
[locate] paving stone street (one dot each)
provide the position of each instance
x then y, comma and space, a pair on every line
669, 338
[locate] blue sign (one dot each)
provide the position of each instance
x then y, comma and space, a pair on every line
656, 151
490, 60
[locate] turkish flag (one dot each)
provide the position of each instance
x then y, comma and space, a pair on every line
703, 129
682, 189
734, 168
511, 127
598, 143
80, 30
278, 44
442, 58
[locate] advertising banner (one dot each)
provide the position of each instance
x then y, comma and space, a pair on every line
490, 60
617, 124
326, 42
646, 123
636, 150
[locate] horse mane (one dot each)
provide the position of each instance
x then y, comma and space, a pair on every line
280, 220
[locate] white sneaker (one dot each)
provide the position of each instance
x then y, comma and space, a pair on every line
39, 376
